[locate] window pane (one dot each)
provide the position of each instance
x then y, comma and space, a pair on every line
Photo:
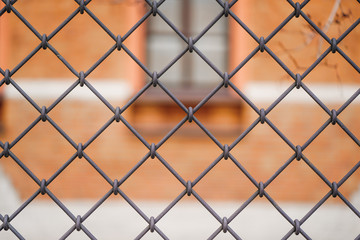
163, 49
202, 13
164, 44
172, 10
214, 47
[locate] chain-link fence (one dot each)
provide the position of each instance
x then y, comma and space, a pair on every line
225, 81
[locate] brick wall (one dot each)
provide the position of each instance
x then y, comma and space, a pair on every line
262, 152
189, 151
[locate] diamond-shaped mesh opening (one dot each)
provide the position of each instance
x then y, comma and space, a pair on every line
90, 42
235, 186
298, 104
349, 119
75, 108
109, 156
144, 184
78, 235
213, 45
8, 235
38, 69
295, 45
29, 148
152, 236
296, 237
224, 115
110, 70
203, 14
124, 13
154, 114
325, 158
347, 47
257, 161
43, 228
63, 188
192, 212
23, 42
164, 45
257, 82
15, 124
45, 20
257, 16
17, 197
171, 10
336, 72
351, 186
294, 184
238, 38
207, 77
119, 218
195, 158
333, 18
41, 93
255, 216
224, 236
190, 86
330, 215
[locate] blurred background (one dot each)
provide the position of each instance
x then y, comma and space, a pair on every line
82, 42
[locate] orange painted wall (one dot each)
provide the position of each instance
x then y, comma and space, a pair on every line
297, 44
81, 42
4, 40
4, 43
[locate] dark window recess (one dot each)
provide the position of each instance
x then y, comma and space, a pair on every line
155, 113
190, 79
164, 44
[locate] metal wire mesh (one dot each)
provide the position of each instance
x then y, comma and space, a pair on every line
79, 222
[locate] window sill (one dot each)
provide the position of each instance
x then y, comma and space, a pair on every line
155, 113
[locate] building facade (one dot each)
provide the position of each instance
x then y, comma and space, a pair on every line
154, 114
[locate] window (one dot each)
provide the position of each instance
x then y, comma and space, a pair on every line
190, 17
190, 79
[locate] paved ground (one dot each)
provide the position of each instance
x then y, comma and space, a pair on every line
188, 220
